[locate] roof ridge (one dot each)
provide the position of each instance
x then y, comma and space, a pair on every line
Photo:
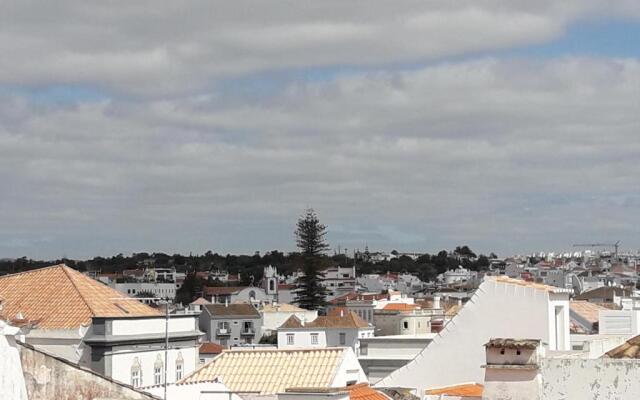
80, 294
33, 270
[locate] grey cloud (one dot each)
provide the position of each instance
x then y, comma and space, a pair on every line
420, 159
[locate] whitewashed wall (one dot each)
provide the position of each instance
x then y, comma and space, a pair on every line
497, 309
590, 379
121, 363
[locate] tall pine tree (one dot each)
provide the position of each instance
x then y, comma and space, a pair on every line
310, 233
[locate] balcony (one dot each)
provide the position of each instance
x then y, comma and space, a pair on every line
223, 332
248, 332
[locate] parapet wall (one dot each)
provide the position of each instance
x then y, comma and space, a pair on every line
590, 379
48, 378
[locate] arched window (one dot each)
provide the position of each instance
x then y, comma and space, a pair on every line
179, 366
157, 371
252, 295
272, 285
136, 373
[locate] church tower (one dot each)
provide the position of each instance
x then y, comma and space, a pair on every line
270, 280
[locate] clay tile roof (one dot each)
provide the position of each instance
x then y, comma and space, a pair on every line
362, 391
348, 320
222, 290
514, 343
539, 286
628, 349
211, 348
604, 292
269, 308
59, 297
401, 307
464, 390
292, 322
200, 301
589, 311
286, 286
233, 309
271, 371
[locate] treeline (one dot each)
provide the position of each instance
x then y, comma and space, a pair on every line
250, 267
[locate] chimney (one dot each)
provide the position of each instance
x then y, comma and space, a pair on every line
342, 312
459, 302
303, 319
226, 302
436, 302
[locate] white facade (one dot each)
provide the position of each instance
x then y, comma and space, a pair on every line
158, 289
501, 307
132, 350
299, 338
274, 316
381, 355
402, 323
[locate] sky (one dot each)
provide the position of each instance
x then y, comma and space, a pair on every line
509, 126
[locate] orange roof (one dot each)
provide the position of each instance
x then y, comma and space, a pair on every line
348, 320
362, 391
59, 297
464, 390
401, 307
211, 348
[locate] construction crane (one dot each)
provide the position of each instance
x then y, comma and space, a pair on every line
614, 245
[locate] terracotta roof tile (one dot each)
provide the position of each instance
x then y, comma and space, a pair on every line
629, 349
362, 391
589, 311
465, 390
59, 297
348, 320
211, 348
232, 309
401, 307
271, 371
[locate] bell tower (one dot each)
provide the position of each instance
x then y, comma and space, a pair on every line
271, 280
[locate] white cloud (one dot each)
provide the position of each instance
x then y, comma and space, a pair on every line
165, 47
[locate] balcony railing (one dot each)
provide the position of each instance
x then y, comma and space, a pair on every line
248, 331
223, 332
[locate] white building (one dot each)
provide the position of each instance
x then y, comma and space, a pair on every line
116, 345
76, 318
525, 370
155, 289
402, 319
344, 329
276, 314
339, 280
500, 307
381, 355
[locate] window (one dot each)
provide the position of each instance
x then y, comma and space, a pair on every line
314, 338
272, 285
405, 324
252, 295
202, 361
290, 338
136, 373
157, 371
343, 338
179, 366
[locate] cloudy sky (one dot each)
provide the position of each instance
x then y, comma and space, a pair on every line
510, 126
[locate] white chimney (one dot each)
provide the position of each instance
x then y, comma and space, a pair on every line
436, 302
341, 312
226, 302
459, 302
303, 320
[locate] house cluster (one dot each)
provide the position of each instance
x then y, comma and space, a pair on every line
494, 335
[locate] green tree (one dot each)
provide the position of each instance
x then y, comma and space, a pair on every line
310, 239
190, 287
